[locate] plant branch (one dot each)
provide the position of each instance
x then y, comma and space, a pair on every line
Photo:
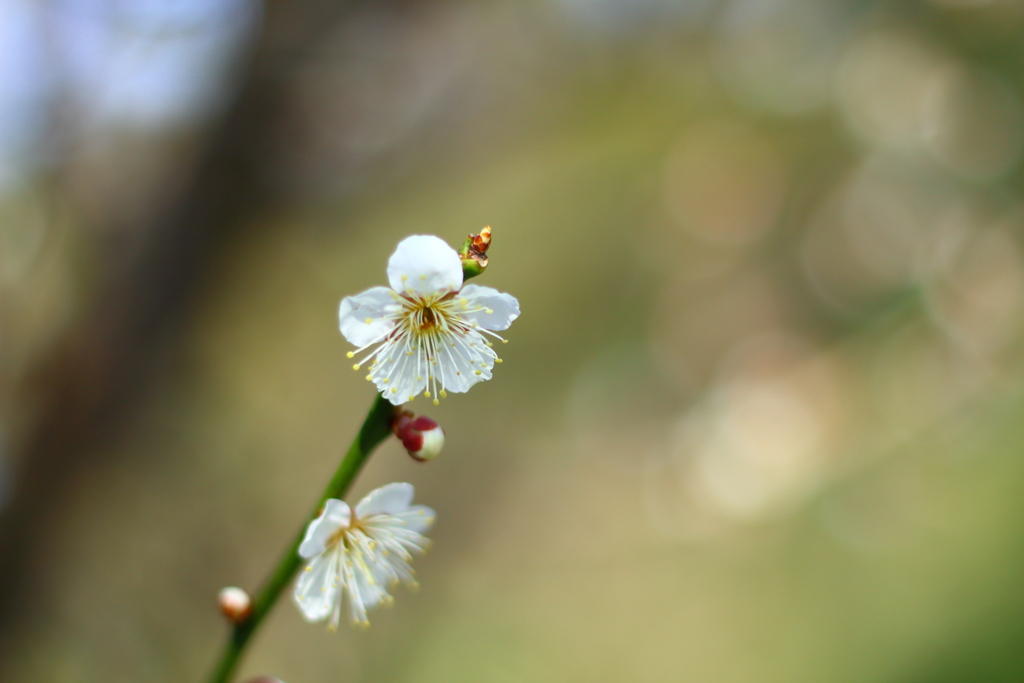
376, 427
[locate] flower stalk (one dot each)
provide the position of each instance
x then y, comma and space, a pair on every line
376, 427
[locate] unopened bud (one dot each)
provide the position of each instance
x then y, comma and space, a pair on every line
235, 603
474, 253
422, 437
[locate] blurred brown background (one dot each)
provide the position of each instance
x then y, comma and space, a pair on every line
760, 421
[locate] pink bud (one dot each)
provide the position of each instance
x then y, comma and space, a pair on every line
235, 603
422, 437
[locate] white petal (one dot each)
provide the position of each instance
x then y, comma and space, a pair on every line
371, 584
363, 318
405, 369
504, 308
460, 358
364, 578
395, 569
336, 515
418, 518
424, 265
317, 587
390, 500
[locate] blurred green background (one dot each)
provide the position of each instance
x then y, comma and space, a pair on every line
760, 420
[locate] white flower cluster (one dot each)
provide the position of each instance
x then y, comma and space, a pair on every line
427, 333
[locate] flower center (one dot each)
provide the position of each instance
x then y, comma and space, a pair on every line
428, 319
343, 535
424, 316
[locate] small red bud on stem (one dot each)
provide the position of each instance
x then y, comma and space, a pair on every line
235, 603
422, 437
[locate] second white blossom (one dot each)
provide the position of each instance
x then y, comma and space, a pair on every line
355, 555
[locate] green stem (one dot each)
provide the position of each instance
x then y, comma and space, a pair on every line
376, 427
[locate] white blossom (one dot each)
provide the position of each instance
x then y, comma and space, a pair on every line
359, 554
429, 332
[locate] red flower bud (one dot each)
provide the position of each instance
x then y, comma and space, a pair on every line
422, 437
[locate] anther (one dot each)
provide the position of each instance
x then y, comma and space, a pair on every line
368, 321
356, 366
351, 354
497, 360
